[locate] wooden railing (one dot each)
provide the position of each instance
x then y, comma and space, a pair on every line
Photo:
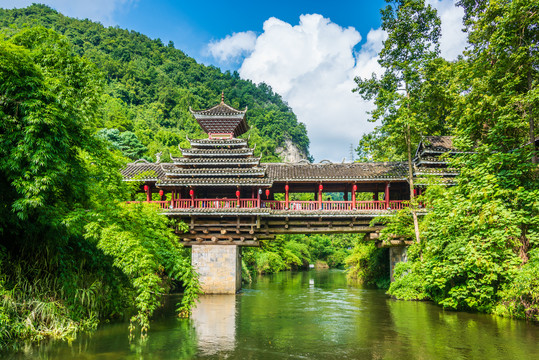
303, 205
280, 205
272, 204
370, 205
162, 204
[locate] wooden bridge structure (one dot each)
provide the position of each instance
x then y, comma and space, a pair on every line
230, 199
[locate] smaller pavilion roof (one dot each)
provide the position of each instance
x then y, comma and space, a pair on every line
437, 143
142, 170
221, 119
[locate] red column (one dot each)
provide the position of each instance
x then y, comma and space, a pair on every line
286, 198
238, 197
148, 193
258, 193
387, 195
192, 194
354, 189
320, 188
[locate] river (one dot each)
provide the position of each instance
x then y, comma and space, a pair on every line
306, 315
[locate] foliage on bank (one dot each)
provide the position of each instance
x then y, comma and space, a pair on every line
293, 252
71, 254
478, 249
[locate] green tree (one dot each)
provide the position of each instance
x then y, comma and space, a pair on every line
61, 269
413, 30
500, 79
126, 142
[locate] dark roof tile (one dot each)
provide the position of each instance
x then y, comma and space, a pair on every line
335, 172
142, 170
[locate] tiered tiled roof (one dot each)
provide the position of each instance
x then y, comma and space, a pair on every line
431, 158
222, 119
175, 171
222, 161
268, 173
214, 162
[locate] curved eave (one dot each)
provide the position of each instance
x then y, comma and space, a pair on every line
215, 173
219, 143
220, 109
216, 182
141, 180
205, 153
217, 162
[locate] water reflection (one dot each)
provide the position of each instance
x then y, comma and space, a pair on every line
214, 319
305, 315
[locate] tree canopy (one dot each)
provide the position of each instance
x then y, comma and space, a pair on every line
71, 253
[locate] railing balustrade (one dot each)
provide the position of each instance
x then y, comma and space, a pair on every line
371, 205
279, 205
302, 205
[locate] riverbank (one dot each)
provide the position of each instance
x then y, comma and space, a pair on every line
313, 314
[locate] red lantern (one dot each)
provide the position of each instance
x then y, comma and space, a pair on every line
191, 192
320, 187
161, 192
237, 193
286, 187
146, 187
267, 193
354, 188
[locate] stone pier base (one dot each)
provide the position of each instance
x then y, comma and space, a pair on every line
397, 254
218, 268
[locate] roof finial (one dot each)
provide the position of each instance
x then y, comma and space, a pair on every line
222, 97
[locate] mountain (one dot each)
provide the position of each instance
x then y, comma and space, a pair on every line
150, 86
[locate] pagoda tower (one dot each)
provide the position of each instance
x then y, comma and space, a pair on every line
221, 166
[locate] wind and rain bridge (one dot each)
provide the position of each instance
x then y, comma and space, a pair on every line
230, 199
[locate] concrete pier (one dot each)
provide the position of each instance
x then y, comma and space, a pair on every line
397, 254
218, 267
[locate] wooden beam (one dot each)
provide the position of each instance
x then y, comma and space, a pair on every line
249, 243
323, 230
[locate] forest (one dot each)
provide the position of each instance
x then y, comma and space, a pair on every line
78, 101
477, 247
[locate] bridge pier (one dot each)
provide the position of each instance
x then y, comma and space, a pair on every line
218, 268
397, 254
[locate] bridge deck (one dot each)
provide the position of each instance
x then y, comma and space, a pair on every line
246, 221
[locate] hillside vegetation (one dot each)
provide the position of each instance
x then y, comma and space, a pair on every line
150, 86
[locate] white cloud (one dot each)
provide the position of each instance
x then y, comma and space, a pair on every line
97, 10
233, 46
453, 40
313, 64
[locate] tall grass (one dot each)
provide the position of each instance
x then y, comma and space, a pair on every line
48, 295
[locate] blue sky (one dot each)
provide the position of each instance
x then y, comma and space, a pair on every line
191, 25
307, 51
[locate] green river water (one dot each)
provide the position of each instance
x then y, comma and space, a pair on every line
306, 315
